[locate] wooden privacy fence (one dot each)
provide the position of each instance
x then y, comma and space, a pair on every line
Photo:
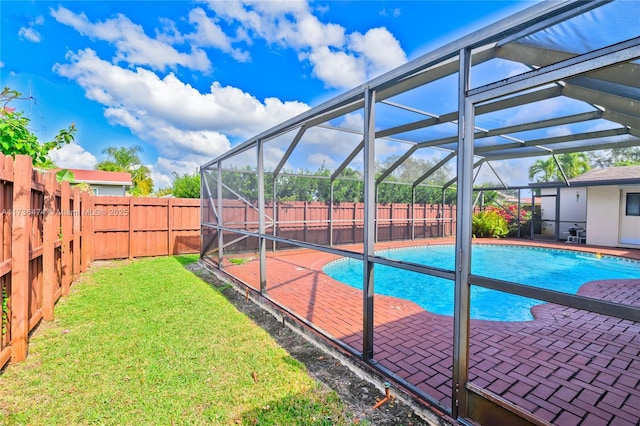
340, 223
45, 245
127, 227
51, 232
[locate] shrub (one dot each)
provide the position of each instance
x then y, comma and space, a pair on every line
510, 213
489, 223
16, 138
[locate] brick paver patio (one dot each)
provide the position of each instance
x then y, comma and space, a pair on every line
567, 367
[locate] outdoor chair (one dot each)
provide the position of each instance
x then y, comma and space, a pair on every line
581, 235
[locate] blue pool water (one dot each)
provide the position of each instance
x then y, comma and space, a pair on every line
559, 270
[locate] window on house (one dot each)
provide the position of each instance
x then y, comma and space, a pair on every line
633, 204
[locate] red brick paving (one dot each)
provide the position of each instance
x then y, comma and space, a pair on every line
567, 367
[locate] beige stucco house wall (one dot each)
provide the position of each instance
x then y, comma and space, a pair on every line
607, 221
597, 200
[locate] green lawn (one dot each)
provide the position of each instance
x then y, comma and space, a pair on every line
147, 342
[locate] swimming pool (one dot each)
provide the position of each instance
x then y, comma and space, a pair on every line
559, 270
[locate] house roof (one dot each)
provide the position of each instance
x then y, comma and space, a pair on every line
100, 177
622, 175
609, 173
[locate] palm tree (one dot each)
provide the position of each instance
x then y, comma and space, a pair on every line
573, 164
546, 167
123, 159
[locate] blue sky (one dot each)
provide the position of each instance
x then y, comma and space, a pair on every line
188, 80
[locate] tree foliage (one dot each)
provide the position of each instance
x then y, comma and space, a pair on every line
186, 185
628, 156
306, 185
17, 139
397, 187
573, 164
126, 159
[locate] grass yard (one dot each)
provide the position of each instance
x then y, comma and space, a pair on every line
148, 342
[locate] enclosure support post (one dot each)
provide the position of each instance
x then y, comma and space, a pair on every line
533, 212
220, 216
441, 214
369, 222
556, 232
262, 242
376, 197
519, 209
463, 240
275, 212
202, 194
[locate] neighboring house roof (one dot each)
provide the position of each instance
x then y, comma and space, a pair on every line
508, 198
622, 175
99, 177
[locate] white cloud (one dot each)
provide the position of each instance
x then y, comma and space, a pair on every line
531, 112
339, 59
395, 12
380, 48
318, 159
162, 172
169, 32
73, 156
30, 34
558, 131
209, 34
512, 172
353, 121
134, 47
337, 69
188, 126
173, 116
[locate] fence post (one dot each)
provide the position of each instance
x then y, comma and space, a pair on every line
130, 233
169, 226
65, 233
87, 230
20, 234
49, 279
391, 222
76, 233
304, 221
355, 223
